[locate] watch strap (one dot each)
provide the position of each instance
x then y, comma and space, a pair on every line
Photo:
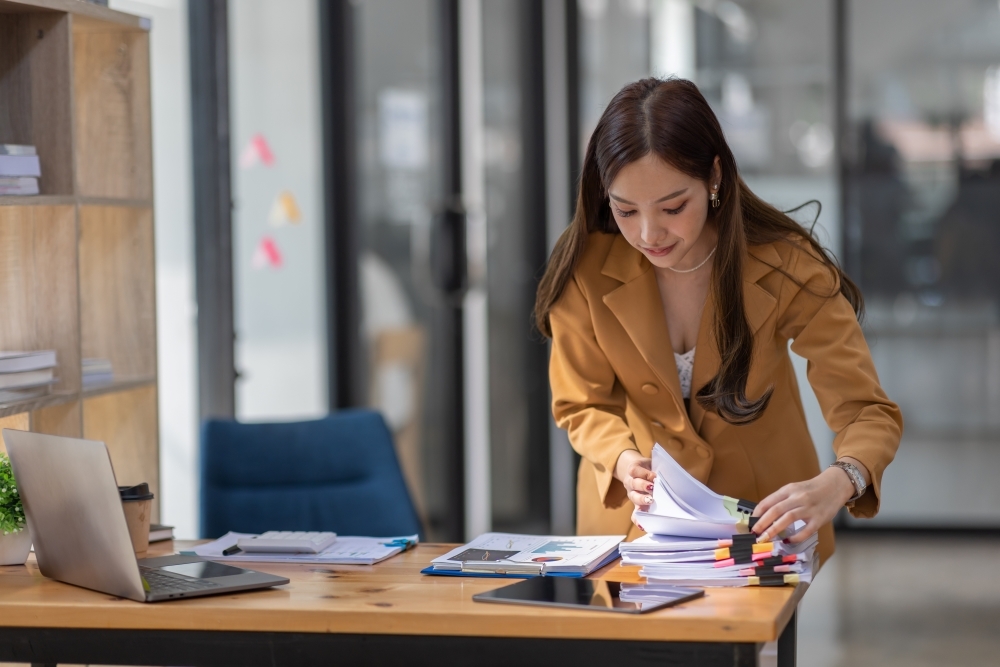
856, 478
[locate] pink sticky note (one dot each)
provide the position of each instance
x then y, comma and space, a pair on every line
256, 150
266, 254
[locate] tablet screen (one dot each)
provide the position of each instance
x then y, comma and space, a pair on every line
584, 594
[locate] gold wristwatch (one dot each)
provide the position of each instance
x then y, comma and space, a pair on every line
856, 478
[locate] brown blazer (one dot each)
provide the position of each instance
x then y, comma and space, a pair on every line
615, 384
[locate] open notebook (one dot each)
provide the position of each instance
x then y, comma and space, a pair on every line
513, 555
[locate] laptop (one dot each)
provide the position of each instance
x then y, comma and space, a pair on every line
79, 532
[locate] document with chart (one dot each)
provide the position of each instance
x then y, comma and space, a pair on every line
507, 554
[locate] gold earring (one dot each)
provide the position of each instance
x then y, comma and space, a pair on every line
714, 198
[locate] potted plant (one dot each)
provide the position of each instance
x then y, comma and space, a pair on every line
15, 540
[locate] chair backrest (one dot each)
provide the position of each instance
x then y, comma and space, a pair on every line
338, 473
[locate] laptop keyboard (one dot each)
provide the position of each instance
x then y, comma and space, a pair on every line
168, 582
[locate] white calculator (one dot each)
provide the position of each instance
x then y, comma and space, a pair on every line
287, 542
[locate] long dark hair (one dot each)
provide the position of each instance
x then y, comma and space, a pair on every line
672, 119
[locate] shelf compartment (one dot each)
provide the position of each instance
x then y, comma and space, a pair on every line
117, 290
112, 110
119, 384
37, 200
35, 105
32, 404
126, 422
65, 419
38, 286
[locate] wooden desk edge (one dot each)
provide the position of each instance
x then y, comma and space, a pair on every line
464, 618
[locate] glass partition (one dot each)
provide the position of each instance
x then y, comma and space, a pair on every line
767, 70
406, 331
278, 265
515, 222
923, 191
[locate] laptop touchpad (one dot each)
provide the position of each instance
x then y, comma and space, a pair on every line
203, 569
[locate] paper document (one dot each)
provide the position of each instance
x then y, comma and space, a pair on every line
683, 506
506, 553
345, 551
697, 537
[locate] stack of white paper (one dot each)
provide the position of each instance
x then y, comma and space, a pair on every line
700, 538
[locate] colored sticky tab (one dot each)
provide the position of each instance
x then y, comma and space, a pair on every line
739, 509
285, 211
773, 580
762, 570
256, 151
266, 254
776, 560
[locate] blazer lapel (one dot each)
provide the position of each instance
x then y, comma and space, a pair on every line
706, 360
759, 305
637, 306
639, 310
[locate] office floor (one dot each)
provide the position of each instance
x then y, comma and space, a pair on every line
919, 600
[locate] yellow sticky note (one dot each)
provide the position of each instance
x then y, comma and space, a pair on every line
285, 210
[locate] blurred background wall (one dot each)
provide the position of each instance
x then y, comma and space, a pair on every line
456, 128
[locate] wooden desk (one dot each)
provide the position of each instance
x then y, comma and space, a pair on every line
385, 614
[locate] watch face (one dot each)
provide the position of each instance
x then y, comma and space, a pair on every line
856, 479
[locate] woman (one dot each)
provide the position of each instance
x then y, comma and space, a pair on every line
670, 301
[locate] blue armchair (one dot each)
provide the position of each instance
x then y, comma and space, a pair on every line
338, 473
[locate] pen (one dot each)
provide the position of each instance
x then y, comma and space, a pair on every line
231, 551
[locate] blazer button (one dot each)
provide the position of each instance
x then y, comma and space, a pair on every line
703, 452
649, 389
678, 444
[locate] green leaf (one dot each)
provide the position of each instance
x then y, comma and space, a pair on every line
11, 510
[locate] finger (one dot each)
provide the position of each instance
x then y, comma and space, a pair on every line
641, 485
642, 472
770, 516
805, 533
771, 501
640, 500
781, 523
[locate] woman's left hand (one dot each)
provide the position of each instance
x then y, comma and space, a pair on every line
815, 501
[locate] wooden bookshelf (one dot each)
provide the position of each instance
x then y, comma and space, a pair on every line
77, 270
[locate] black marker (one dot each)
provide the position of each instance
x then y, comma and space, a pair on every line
231, 551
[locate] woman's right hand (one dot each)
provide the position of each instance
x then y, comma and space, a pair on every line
636, 473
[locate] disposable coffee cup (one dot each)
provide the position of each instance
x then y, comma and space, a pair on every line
137, 502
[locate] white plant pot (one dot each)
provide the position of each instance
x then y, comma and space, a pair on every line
14, 547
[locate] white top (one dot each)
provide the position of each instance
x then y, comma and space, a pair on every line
685, 364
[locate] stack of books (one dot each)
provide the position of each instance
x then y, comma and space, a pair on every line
25, 375
19, 170
697, 537
97, 372
160, 533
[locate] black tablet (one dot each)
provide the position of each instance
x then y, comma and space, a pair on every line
584, 594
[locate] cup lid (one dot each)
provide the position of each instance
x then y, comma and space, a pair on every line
137, 492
